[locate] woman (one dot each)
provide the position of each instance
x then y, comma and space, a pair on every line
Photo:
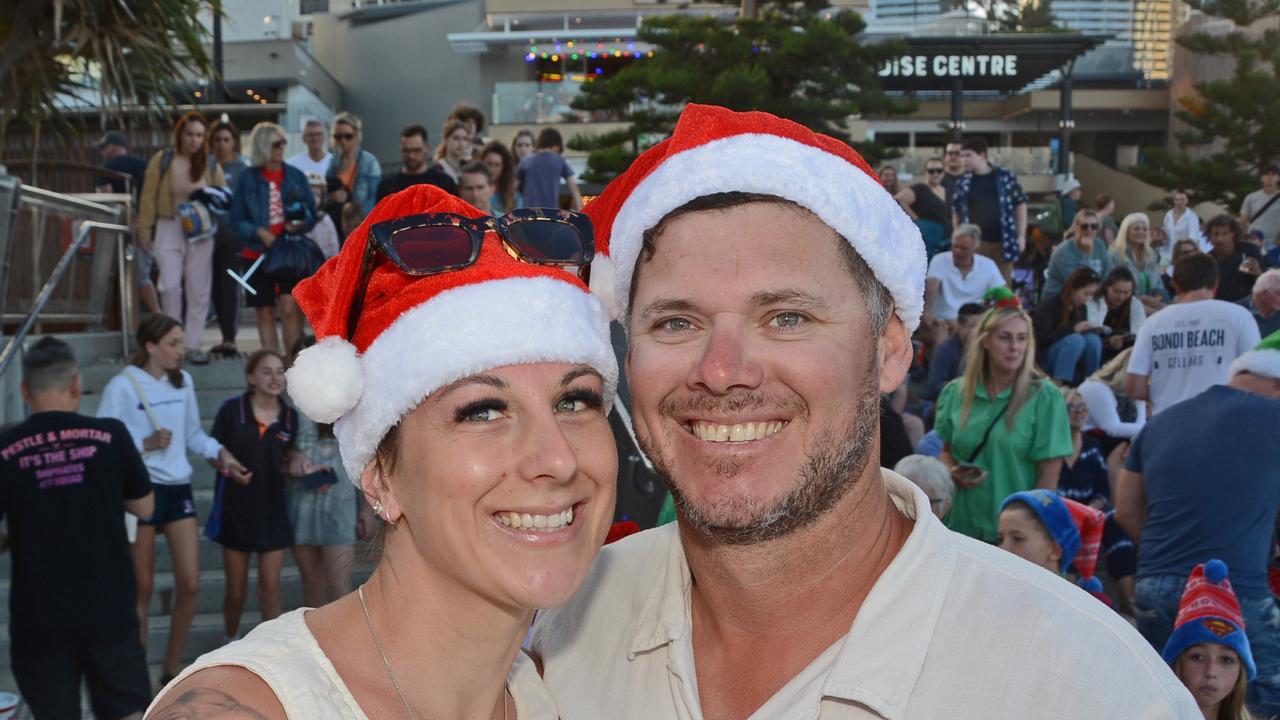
224, 145
358, 169
1114, 307
249, 515
1003, 425
156, 401
926, 203
186, 267
1133, 251
1071, 343
487, 454
889, 179
1083, 249
1181, 223
522, 145
264, 194
502, 166
323, 515
454, 150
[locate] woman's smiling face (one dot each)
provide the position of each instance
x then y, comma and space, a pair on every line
505, 481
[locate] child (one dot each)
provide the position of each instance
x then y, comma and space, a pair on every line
1208, 645
250, 516
1053, 532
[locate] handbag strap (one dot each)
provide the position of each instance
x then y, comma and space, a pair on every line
1266, 207
146, 406
987, 434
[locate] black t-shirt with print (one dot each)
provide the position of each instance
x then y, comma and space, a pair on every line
64, 478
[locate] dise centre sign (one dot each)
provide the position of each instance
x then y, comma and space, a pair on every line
1000, 63
949, 66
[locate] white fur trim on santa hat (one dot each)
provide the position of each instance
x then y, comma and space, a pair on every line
604, 278
326, 380
843, 196
1265, 363
466, 330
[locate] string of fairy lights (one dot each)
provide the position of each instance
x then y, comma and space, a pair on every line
576, 51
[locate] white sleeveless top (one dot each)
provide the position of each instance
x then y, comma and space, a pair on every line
286, 656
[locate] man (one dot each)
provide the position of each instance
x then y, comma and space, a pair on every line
539, 174
1239, 263
958, 276
113, 148
1188, 346
1062, 211
476, 186
417, 167
1264, 302
991, 198
66, 481
1187, 500
1261, 209
954, 167
316, 158
800, 580
948, 357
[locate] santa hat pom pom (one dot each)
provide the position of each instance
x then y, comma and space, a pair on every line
326, 380
1215, 571
604, 283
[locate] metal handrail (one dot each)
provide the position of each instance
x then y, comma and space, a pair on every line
41, 299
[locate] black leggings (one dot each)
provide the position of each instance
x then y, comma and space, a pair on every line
226, 291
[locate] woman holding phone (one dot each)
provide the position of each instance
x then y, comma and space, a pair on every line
1004, 426
487, 453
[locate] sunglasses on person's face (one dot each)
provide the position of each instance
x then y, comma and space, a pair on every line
1089, 226
344, 136
934, 171
278, 144
441, 242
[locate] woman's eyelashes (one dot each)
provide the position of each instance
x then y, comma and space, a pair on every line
489, 409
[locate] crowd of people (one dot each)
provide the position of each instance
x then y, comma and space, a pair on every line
1043, 432
207, 213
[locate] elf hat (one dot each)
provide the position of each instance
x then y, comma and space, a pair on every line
1210, 613
418, 334
1263, 360
1075, 527
715, 150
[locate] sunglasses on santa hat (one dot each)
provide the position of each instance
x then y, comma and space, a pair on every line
434, 243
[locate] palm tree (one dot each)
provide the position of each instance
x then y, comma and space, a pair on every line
109, 53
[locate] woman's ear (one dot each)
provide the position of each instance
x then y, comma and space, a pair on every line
380, 493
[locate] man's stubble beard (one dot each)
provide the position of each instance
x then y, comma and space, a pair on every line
830, 470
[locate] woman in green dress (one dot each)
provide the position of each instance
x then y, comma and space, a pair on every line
1003, 424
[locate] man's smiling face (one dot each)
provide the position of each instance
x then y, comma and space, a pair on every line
754, 368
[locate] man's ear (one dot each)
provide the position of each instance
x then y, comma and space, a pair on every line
895, 354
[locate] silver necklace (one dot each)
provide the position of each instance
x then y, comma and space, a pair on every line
387, 663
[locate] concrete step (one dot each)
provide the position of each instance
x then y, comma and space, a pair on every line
220, 373
207, 628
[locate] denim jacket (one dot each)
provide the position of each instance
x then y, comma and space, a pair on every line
368, 174
250, 205
1010, 194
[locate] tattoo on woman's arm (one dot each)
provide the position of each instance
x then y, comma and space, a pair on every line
206, 704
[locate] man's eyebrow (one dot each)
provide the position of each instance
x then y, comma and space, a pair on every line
578, 372
490, 380
786, 296
667, 305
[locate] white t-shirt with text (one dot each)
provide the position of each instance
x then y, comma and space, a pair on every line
1187, 348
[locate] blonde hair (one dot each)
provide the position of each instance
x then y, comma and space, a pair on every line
351, 121
1112, 374
975, 364
1120, 250
264, 133
1084, 213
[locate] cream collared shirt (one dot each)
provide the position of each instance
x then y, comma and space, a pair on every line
954, 629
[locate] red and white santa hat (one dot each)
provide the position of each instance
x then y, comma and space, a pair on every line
715, 150
418, 334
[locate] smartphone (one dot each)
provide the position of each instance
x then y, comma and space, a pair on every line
318, 479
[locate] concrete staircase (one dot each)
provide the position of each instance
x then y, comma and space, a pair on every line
214, 383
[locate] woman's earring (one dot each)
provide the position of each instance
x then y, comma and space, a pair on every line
378, 509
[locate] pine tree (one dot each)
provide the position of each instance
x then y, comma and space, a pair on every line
1235, 119
796, 60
